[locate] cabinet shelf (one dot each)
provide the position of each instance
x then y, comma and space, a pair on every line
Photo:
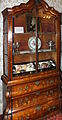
41, 33
47, 50
28, 52
33, 71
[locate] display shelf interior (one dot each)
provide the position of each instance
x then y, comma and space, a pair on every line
30, 67
28, 52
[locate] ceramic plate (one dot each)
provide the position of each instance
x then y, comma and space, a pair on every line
32, 43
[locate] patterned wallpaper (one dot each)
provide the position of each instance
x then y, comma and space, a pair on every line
57, 4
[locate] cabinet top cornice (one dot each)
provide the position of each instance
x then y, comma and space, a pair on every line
25, 7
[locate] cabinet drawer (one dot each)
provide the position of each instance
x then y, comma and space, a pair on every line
36, 111
32, 99
33, 86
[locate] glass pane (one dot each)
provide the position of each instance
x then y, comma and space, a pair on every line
47, 53
24, 44
5, 38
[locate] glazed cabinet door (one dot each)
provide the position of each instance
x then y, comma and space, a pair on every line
35, 42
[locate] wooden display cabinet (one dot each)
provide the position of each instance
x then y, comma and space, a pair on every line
31, 61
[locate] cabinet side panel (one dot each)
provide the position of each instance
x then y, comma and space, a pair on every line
5, 46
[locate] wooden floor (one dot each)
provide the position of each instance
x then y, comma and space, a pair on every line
1, 117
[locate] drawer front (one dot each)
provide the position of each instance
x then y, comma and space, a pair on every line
32, 113
34, 86
35, 98
50, 116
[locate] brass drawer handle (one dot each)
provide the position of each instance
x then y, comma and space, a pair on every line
26, 99
49, 109
20, 89
27, 118
51, 92
26, 87
54, 107
47, 93
37, 83
47, 81
22, 118
38, 93
21, 101
51, 81
44, 118
38, 108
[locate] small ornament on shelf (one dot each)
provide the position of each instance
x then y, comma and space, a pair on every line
16, 47
51, 44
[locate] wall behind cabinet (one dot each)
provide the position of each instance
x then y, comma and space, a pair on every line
57, 4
